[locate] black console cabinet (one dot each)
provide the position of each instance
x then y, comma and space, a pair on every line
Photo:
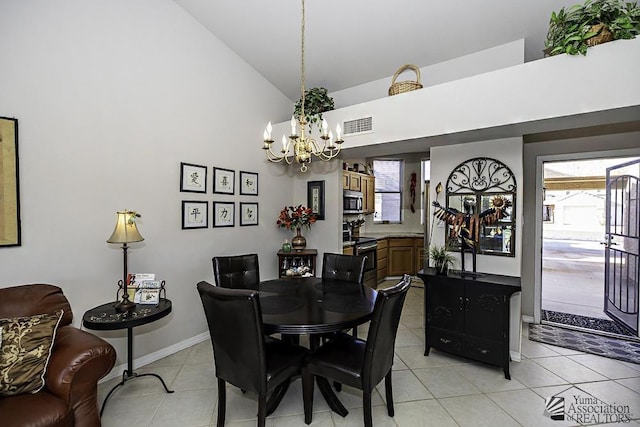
469, 315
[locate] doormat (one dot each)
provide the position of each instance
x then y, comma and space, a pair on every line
595, 324
620, 349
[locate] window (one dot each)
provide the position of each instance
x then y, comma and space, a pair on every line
388, 175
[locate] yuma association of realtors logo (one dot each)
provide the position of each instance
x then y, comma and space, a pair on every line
575, 405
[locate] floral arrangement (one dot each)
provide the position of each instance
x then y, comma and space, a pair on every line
293, 217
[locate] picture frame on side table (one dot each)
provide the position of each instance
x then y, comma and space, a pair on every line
10, 231
248, 214
315, 198
224, 214
223, 181
248, 183
195, 214
193, 178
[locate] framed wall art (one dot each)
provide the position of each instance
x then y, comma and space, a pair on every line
224, 214
193, 178
10, 233
248, 183
223, 181
195, 214
248, 214
315, 198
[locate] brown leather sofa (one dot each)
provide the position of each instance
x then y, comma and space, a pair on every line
78, 360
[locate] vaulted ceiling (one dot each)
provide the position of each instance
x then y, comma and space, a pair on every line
349, 42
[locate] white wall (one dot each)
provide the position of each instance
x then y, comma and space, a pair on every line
487, 60
110, 98
509, 152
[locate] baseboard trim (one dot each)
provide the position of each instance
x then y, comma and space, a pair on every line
117, 371
515, 356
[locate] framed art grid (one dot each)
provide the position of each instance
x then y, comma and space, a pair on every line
193, 178
223, 181
195, 214
248, 214
224, 214
248, 183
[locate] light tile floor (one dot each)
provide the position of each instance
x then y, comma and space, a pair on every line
438, 390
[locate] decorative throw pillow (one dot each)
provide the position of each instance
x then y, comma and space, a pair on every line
25, 350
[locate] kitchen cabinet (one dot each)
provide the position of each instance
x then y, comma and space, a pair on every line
401, 256
368, 185
468, 315
364, 183
355, 181
382, 258
418, 245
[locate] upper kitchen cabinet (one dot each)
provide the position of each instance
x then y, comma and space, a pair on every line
364, 183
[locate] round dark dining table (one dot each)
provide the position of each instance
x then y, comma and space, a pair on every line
313, 306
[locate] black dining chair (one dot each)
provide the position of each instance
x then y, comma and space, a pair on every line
236, 271
361, 364
347, 268
242, 356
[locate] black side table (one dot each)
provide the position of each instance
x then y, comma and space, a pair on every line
106, 318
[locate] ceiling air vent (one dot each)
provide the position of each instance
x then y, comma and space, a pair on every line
364, 124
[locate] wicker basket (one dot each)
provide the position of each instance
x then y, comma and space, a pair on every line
405, 86
603, 36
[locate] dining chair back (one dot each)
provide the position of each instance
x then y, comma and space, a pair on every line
357, 363
242, 356
237, 271
349, 268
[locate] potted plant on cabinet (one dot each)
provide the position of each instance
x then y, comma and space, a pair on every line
442, 259
575, 29
316, 102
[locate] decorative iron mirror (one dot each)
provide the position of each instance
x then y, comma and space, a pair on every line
480, 208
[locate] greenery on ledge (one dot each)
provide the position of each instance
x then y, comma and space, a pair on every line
316, 102
574, 29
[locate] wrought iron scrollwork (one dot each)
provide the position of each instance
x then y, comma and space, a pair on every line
481, 174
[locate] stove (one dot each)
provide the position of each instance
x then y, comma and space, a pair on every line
368, 247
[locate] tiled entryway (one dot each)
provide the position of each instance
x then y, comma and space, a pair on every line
439, 390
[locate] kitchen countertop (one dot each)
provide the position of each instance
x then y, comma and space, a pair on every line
380, 236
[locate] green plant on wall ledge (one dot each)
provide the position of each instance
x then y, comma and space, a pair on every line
575, 29
316, 102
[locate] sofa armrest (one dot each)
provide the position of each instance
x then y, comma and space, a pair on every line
78, 360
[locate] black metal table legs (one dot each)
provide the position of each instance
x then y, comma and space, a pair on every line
128, 374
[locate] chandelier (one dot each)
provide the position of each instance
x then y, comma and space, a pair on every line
300, 147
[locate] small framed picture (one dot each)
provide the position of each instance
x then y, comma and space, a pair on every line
223, 181
248, 214
248, 183
315, 198
224, 214
193, 178
148, 296
195, 214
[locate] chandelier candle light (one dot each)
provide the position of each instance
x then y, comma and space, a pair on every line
303, 146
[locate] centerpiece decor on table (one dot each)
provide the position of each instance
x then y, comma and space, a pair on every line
296, 217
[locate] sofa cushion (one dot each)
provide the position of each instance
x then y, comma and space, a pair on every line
37, 410
24, 354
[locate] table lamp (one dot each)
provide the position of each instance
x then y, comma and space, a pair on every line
125, 232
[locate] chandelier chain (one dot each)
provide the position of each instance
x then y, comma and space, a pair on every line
302, 76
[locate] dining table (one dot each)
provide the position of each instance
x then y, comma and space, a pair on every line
313, 306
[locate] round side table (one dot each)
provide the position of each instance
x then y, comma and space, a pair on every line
105, 318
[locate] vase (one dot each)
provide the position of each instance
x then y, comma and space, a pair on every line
298, 242
441, 269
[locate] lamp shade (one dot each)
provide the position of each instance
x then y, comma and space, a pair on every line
126, 230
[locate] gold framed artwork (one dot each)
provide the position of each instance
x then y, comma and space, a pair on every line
9, 186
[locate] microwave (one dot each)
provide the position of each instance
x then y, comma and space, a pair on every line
352, 202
